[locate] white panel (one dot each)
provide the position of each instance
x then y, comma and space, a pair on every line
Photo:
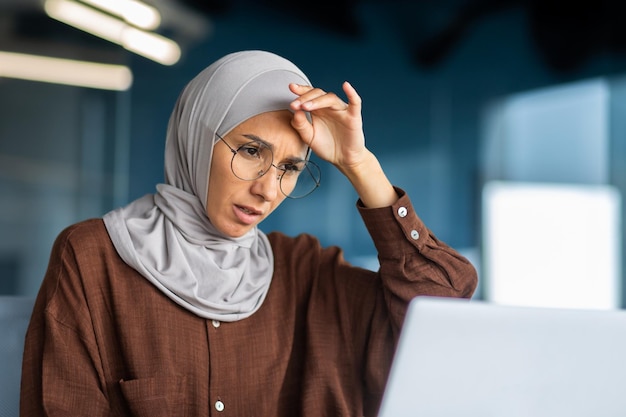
552, 245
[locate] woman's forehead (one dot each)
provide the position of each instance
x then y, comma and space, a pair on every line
270, 119
271, 127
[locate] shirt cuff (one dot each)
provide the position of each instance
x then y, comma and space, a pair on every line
395, 229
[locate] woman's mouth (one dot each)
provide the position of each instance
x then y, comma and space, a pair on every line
247, 215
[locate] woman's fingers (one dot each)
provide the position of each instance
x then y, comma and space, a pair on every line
302, 125
334, 131
311, 98
354, 99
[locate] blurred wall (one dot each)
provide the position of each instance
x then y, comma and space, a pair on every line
424, 124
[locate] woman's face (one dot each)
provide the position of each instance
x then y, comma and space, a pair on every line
235, 206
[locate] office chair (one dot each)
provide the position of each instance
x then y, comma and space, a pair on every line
15, 312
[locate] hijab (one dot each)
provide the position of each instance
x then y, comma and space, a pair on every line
167, 236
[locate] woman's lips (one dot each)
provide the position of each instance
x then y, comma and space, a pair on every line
247, 215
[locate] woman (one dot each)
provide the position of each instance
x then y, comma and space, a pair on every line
178, 305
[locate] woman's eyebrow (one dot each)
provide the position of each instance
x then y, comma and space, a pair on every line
255, 138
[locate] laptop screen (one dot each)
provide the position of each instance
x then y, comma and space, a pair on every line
475, 359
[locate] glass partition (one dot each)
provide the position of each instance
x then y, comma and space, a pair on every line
63, 157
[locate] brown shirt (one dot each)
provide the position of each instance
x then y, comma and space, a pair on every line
103, 341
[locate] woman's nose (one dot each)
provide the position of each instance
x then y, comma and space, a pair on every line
268, 186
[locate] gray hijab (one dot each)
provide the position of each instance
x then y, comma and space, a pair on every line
167, 236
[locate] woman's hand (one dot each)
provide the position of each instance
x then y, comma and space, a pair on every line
335, 134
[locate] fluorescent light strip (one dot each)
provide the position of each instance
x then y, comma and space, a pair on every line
65, 71
153, 47
150, 45
86, 19
134, 12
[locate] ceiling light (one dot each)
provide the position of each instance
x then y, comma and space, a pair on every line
132, 11
65, 71
150, 45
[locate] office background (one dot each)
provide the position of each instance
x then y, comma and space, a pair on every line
435, 78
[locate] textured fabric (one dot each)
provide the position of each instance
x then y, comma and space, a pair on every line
167, 237
103, 341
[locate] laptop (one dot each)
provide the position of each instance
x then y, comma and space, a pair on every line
475, 359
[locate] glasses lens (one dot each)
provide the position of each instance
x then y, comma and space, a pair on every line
300, 180
251, 161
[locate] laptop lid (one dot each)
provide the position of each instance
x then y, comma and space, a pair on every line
475, 359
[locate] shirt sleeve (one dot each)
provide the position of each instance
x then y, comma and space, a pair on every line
60, 370
412, 260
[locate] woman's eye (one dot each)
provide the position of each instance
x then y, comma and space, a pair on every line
290, 168
250, 151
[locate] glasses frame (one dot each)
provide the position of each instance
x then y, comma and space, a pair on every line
281, 170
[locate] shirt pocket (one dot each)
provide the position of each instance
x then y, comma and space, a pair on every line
155, 397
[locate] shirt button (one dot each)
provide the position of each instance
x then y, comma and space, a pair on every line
219, 406
402, 211
216, 323
415, 234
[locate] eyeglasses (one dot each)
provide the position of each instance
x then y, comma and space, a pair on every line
252, 160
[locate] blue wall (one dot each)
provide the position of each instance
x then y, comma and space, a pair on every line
425, 125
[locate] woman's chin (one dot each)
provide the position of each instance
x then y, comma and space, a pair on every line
235, 231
